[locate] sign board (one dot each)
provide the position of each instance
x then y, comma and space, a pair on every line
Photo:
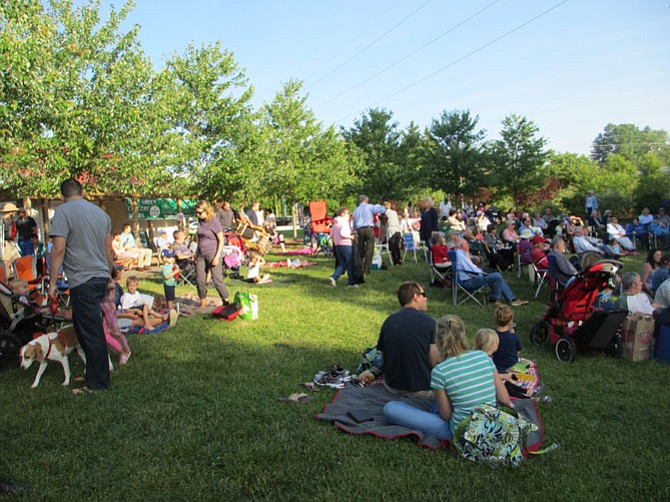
160, 209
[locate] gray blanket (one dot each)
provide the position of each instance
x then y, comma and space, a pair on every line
367, 406
361, 411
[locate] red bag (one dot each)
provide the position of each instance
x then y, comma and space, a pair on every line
227, 312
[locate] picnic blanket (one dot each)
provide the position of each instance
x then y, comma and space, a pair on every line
301, 251
368, 403
285, 264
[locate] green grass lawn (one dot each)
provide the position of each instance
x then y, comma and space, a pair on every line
195, 416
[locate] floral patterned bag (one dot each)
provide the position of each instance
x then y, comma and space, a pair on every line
494, 436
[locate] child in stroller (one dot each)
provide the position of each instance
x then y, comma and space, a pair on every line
572, 322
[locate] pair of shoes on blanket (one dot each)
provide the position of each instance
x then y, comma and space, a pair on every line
334, 378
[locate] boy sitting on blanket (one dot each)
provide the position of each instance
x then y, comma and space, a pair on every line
520, 375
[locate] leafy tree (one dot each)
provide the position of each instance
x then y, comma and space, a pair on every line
630, 142
91, 105
213, 117
302, 161
518, 158
456, 153
412, 160
377, 137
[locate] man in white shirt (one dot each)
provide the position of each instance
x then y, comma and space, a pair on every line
618, 233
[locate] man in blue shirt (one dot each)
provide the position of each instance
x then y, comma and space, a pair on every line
591, 203
364, 228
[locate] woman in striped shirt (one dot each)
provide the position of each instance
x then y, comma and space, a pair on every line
463, 380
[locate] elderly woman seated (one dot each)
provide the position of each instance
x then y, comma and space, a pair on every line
633, 298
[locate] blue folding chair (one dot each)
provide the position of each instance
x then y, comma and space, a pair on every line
458, 288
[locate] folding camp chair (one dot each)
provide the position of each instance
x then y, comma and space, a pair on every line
541, 278
320, 225
439, 274
411, 243
458, 286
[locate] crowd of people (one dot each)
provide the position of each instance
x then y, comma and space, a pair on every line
482, 242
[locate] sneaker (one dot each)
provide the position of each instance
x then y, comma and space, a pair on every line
496, 303
518, 303
327, 379
173, 317
332, 282
352, 285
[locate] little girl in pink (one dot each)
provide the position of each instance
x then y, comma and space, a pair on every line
115, 339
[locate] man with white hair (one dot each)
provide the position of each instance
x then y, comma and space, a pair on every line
471, 276
583, 244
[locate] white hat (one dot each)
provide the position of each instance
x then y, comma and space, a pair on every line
9, 207
526, 234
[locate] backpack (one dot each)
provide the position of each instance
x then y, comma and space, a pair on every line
494, 436
227, 312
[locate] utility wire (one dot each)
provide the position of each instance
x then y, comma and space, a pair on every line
397, 62
471, 53
369, 45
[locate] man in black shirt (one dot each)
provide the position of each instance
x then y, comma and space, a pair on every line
407, 343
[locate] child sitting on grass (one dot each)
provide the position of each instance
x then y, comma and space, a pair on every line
509, 343
254, 273
134, 307
487, 341
519, 375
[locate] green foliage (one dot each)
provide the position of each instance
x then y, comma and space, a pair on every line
302, 160
630, 142
518, 158
377, 137
457, 163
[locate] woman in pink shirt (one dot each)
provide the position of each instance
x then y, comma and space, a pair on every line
341, 235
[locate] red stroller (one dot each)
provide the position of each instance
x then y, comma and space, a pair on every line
571, 323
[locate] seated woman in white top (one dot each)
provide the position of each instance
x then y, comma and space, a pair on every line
633, 298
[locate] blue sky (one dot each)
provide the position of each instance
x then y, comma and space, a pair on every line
572, 70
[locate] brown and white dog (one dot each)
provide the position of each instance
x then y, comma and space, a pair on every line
51, 347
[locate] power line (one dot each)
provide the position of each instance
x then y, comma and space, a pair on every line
369, 45
471, 53
395, 63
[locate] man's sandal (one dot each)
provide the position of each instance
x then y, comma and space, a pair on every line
82, 391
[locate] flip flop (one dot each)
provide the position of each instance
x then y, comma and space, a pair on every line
299, 398
82, 391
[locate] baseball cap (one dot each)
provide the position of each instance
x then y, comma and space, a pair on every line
167, 253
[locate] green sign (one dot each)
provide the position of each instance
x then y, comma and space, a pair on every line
160, 209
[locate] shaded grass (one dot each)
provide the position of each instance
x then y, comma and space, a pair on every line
195, 416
